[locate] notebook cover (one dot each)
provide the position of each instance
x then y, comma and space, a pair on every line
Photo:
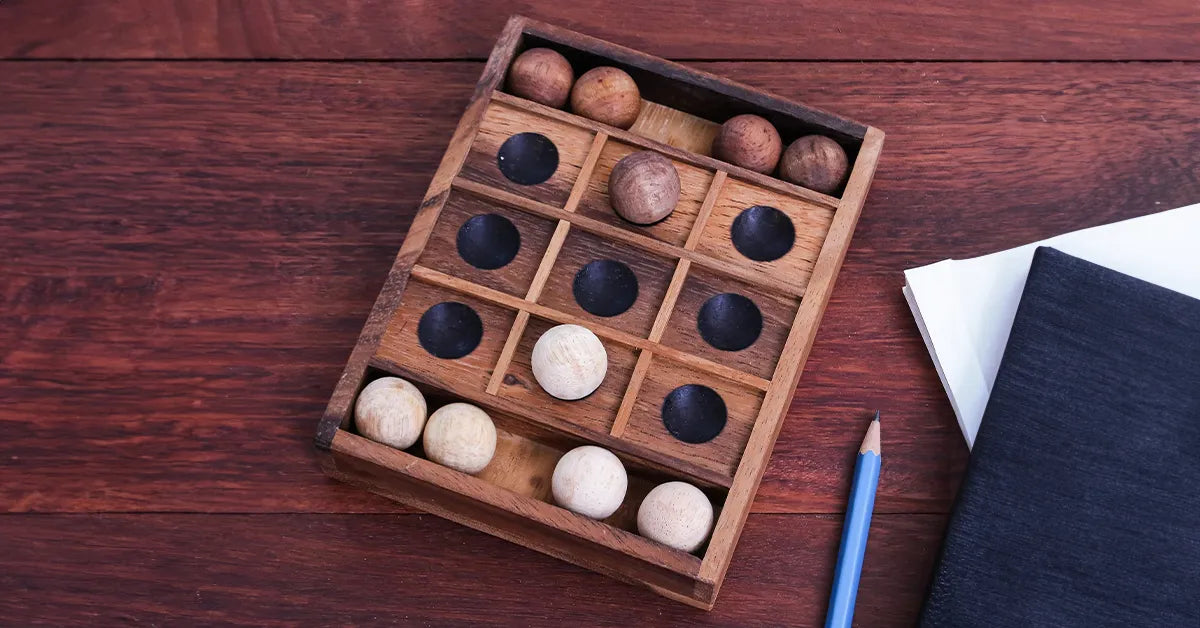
1081, 502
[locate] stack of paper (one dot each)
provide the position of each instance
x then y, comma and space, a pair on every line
965, 308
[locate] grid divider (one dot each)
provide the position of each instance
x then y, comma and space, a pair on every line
665, 310
438, 278
710, 199
736, 270
549, 257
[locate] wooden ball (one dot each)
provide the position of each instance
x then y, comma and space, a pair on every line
569, 362
541, 75
815, 162
391, 411
643, 187
460, 436
607, 95
590, 481
748, 141
676, 514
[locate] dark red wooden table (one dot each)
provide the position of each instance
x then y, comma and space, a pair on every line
200, 200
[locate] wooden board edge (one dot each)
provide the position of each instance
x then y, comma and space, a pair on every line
350, 382
705, 162
632, 453
528, 522
699, 78
787, 373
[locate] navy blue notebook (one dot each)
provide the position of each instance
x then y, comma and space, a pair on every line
1081, 503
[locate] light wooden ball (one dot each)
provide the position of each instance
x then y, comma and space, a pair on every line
541, 75
569, 362
643, 187
590, 481
815, 162
677, 515
748, 141
391, 411
607, 95
460, 436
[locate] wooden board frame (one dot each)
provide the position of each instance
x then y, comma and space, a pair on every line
688, 95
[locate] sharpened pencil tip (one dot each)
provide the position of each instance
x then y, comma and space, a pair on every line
871, 439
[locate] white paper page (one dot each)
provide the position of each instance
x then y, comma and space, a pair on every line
965, 308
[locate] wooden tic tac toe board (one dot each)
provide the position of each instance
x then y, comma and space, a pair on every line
545, 245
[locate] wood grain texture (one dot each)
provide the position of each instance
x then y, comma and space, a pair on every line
535, 524
400, 343
327, 569
730, 266
851, 132
338, 410
676, 128
854, 29
811, 224
502, 122
580, 249
778, 398
190, 251
515, 277
721, 454
241, 265
693, 187
594, 412
683, 332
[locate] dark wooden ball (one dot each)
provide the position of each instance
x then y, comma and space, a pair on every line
748, 141
815, 162
541, 75
643, 187
607, 95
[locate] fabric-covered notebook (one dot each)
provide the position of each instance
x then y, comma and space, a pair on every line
1081, 503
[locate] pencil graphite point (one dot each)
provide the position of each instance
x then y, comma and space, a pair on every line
877, 415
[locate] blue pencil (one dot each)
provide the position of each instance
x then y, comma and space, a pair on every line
854, 531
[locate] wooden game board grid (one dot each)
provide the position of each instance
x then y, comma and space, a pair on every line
537, 524
650, 345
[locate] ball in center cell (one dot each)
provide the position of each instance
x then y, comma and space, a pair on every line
644, 187
569, 362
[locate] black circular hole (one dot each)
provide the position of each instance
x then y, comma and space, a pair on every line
729, 322
450, 330
488, 241
605, 287
763, 233
527, 158
694, 413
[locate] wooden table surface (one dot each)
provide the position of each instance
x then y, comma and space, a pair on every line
200, 200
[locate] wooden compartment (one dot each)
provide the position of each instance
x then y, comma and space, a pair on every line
596, 412
693, 188
661, 357
712, 308
719, 440
501, 123
776, 233
607, 283
488, 243
404, 351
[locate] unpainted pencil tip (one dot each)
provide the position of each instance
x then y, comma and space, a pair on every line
871, 440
